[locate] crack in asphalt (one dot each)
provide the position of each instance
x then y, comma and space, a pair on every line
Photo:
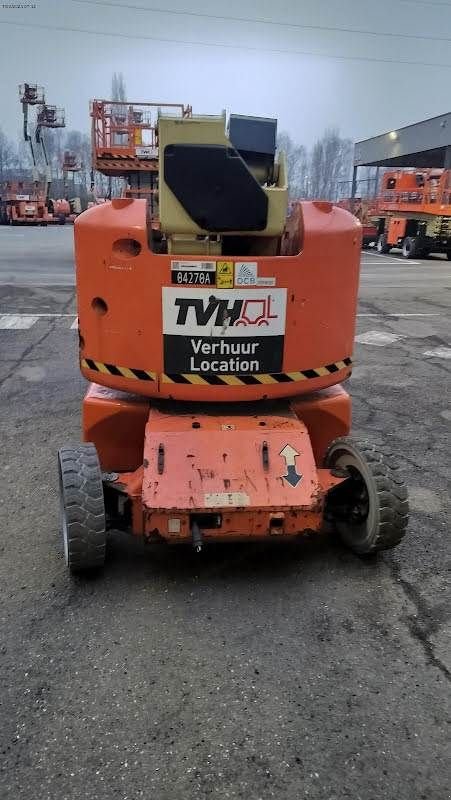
422, 624
32, 346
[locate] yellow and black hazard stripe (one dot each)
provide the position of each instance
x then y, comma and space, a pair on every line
256, 379
217, 380
119, 372
109, 156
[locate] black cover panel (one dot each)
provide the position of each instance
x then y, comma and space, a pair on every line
215, 187
253, 134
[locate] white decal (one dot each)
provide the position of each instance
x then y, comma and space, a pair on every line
246, 274
266, 281
224, 312
193, 273
145, 152
218, 499
198, 266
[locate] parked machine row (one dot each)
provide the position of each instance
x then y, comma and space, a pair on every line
29, 201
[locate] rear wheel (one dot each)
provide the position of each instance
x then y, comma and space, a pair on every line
410, 247
370, 509
82, 507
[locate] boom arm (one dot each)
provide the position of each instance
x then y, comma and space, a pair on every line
48, 172
29, 139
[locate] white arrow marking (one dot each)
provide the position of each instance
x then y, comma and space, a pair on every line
289, 454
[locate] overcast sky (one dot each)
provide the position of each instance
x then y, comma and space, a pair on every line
219, 56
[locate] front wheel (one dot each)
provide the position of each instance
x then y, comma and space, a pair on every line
82, 507
369, 509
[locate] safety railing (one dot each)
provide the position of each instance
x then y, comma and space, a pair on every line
129, 128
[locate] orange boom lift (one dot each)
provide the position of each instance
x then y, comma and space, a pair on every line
216, 334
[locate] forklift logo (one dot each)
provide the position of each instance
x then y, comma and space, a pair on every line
256, 312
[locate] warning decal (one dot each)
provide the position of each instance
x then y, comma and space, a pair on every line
224, 274
230, 332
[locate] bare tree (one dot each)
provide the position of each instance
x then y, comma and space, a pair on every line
54, 145
330, 164
8, 155
297, 165
118, 91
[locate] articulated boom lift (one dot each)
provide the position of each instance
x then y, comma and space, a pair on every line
23, 201
48, 117
216, 333
71, 166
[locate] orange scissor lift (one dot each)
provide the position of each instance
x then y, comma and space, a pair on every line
216, 343
413, 212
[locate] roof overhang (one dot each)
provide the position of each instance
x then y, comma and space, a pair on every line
424, 144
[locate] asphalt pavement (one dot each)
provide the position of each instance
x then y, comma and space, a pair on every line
256, 671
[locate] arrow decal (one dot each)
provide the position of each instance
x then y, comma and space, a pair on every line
289, 454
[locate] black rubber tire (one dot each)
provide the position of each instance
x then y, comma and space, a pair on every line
383, 522
448, 255
410, 248
82, 507
381, 245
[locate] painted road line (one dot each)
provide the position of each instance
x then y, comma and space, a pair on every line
426, 284
439, 352
37, 315
387, 271
15, 322
377, 338
390, 263
389, 259
24, 321
401, 314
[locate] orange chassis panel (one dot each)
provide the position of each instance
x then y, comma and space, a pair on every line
121, 338
260, 473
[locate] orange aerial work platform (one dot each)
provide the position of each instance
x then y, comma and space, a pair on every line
124, 135
413, 212
216, 343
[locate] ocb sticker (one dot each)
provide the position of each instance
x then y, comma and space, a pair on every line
224, 274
